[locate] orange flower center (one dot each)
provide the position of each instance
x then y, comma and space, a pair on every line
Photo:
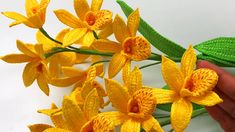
128, 44
40, 68
90, 18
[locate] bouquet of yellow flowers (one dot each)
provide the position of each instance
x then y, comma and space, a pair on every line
55, 61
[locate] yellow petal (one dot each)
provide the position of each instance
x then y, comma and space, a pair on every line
172, 74
133, 22
99, 69
67, 58
117, 118
54, 68
181, 112
68, 19
24, 48
16, 58
81, 58
209, 99
136, 48
91, 104
106, 31
117, 94
56, 130
120, 29
130, 126
73, 114
38, 127
188, 61
116, 64
42, 83
201, 81
73, 36
87, 88
126, 71
73, 72
64, 82
39, 49
29, 6
81, 7
57, 119
106, 46
88, 39
152, 125
36, 20
30, 73
61, 34
96, 5
134, 82
164, 96
103, 19
46, 42
19, 19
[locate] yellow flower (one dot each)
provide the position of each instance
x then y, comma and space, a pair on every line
77, 118
36, 13
186, 86
35, 69
130, 46
135, 104
90, 19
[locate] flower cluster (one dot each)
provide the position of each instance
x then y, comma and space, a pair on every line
51, 61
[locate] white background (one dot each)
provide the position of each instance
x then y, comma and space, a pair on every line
183, 21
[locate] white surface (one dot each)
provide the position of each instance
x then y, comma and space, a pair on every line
183, 21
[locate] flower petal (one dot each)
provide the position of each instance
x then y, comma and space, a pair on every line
103, 19
164, 96
130, 126
73, 36
36, 20
134, 82
172, 74
188, 61
152, 125
81, 58
29, 5
117, 94
117, 118
126, 71
18, 19
96, 5
133, 22
60, 36
81, 7
64, 82
38, 127
24, 48
54, 67
88, 39
42, 83
73, 72
68, 19
91, 104
181, 112
104, 45
99, 69
67, 58
116, 64
209, 99
30, 73
106, 31
46, 42
73, 114
56, 130
120, 29
16, 58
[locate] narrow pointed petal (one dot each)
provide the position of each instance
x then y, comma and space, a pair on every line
60, 36
81, 58
68, 19
164, 96
96, 5
57, 119
46, 42
133, 22
42, 83
88, 39
73, 36
67, 58
152, 125
106, 31
73, 72
73, 114
38, 127
117, 94
117, 118
103, 19
209, 99
81, 7
86, 88
172, 74
56, 130
54, 68
130, 126
99, 69
134, 82
91, 73
126, 71
181, 112
29, 5
188, 61
19, 19
39, 50
91, 104
116, 64
16, 58
104, 45
24, 48
64, 82
36, 21
120, 29
30, 73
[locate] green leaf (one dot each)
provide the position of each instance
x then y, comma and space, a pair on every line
216, 61
157, 40
222, 48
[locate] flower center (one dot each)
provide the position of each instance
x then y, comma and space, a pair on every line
34, 10
90, 18
39, 68
128, 45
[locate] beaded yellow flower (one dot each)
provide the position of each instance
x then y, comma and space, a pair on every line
36, 13
186, 86
90, 19
130, 46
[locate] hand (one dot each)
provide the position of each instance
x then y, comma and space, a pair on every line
224, 112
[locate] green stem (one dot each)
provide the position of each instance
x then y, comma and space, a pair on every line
95, 35
48, 36
152, 64
99, 62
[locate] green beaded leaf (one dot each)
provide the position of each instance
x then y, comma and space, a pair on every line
167, 107
222, 48
157, 40
216, 61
